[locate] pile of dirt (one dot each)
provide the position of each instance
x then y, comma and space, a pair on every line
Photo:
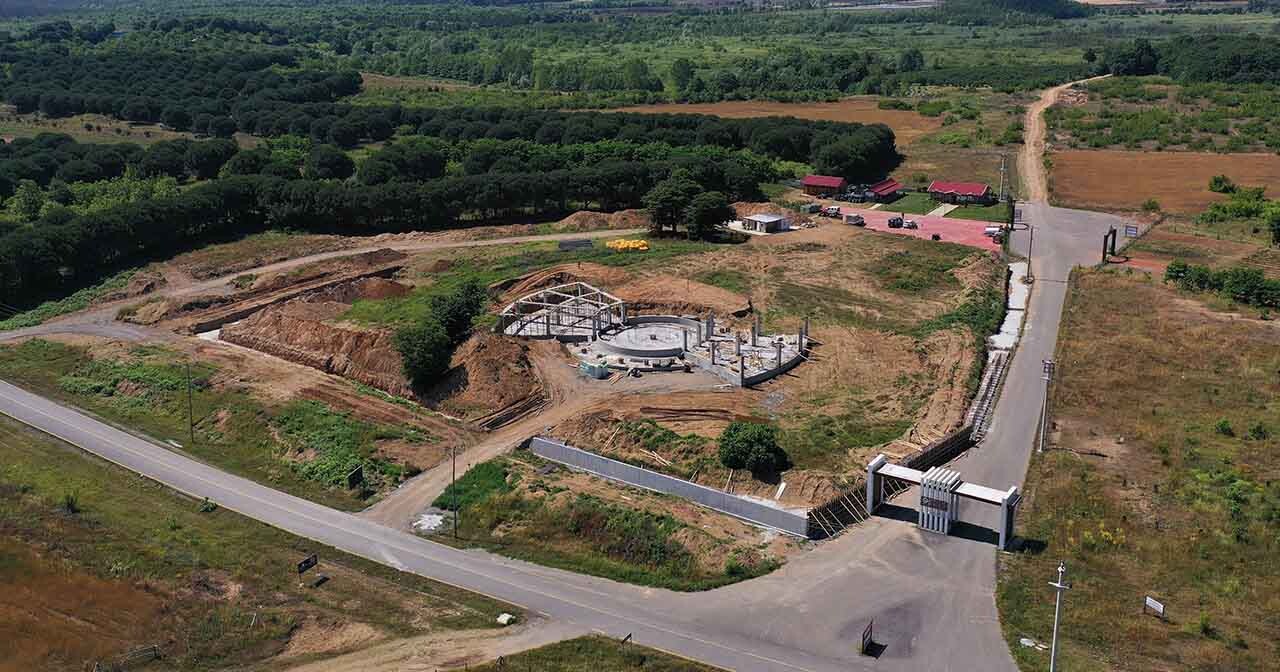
744, 208
142, 283
595, 274
670, 295
491, 374
590, 220
301, 330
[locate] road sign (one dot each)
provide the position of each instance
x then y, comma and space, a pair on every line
308, 562
1130, 231
866, 637
1156, 607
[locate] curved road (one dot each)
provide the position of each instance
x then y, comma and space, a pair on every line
932, 597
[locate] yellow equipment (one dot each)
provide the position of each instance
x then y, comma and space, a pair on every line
628, 245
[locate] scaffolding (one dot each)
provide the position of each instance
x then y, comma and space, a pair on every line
573, 311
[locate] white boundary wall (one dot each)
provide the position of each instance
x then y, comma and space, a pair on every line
738, 507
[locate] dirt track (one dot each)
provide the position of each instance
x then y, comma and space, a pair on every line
1034, 178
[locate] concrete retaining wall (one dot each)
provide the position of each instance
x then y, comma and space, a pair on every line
738, 507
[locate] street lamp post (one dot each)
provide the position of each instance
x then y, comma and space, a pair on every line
1058, 586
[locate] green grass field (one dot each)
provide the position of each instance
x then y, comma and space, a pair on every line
998, 213
913, 203
134, 563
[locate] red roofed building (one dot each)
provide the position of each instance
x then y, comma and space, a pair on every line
961, 192
884, 190
816, 185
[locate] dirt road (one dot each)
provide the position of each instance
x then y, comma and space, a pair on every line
1034, 177
448, 650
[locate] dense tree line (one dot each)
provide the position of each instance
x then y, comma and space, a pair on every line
188, 91
1243, 284
53, 257
1202, 58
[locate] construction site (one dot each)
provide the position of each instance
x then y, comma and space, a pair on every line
846, 341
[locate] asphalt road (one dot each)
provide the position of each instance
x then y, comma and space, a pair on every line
931, 596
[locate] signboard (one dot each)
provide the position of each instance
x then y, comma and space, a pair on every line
308, 562
1130, 231
1156, 607
933, 503
866, 637
575, 244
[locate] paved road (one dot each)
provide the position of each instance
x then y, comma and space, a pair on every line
931, 597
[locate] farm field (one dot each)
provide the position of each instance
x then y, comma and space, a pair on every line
907, 125
96, 561
1178, 181
1159, 483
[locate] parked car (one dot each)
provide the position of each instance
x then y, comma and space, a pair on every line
855, 220
992, 231
831, 211
910, 224
895, 222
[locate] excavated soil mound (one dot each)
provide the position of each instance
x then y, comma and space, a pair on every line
301, 330
141, 284
670, 295
744, 208
490, 374
595, 274
588, 220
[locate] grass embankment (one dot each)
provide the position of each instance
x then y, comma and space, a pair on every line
96, 561
303, 448
484, 267
70, 304
1164, 484
504, 506
595, 654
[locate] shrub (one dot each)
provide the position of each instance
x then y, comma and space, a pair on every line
1222, 184
1151, 205
70, 503
754, 447
1223, 427
1258, 432
425, 349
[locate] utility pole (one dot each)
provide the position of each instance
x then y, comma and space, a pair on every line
1003, 157
1059, 586
191, 415
453, 485
1044, 402
1031, 244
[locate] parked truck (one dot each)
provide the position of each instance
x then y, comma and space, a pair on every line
831, 211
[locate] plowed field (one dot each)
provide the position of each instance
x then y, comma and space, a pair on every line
1179, 181
906, 124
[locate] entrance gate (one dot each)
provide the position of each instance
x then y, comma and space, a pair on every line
940, 490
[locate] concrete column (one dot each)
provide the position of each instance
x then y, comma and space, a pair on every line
711, 326
742, 372
873, 482
1007, 510
755, 330
712, 345
737, 346
778, 347
684, 335
547, 320
623, 313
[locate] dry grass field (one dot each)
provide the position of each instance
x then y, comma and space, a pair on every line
907, 125
1161, 480
1179, 181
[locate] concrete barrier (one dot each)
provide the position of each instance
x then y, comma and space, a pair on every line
738, 507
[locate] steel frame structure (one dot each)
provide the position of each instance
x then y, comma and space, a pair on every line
564, 310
